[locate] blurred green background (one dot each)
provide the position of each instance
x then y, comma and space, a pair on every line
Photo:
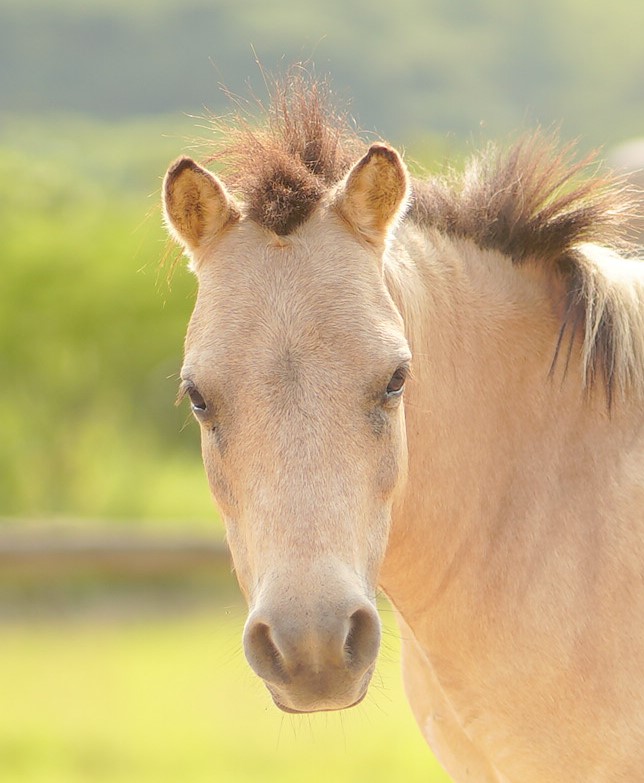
120, 681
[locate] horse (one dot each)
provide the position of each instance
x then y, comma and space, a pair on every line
431, 386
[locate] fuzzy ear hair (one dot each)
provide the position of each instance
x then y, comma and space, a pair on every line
375, 193
196, 204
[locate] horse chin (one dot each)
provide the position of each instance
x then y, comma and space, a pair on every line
292, 711
320, 703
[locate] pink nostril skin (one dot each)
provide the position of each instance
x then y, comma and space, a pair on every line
317, 658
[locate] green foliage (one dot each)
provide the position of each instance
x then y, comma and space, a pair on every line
173, 700
90, 331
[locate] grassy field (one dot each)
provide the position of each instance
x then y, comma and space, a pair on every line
172, 699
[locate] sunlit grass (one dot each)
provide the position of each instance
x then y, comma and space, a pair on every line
172, 699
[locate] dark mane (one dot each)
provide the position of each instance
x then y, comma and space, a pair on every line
532, 202
281, 168
526, 202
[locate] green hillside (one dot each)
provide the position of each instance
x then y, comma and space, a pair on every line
446, 66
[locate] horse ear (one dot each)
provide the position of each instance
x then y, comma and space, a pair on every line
374, 194
195, 203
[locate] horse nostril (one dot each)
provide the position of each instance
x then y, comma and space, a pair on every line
283, 652
363, 638
263, 654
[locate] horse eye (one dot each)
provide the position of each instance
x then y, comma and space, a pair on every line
198, 402
397, 382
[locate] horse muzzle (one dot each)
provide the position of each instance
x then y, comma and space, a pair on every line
314, 658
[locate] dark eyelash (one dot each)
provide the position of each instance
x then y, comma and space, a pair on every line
184, 388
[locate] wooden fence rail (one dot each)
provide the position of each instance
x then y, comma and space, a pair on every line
46, 552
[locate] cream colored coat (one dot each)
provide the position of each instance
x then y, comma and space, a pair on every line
500, 506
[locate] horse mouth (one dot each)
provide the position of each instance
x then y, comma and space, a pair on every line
292, 711
364, 687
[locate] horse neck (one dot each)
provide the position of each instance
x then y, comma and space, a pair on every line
487, 426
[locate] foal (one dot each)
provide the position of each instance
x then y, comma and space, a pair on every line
436, 387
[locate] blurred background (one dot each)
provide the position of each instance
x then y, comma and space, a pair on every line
120, 624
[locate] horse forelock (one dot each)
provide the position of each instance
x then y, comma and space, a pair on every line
281, 165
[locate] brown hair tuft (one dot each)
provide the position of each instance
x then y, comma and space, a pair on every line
281, 168
527, 202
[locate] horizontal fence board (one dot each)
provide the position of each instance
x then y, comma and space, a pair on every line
25, 549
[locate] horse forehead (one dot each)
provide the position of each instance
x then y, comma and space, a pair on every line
321, 253
262, 285
290, 337
259, 349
